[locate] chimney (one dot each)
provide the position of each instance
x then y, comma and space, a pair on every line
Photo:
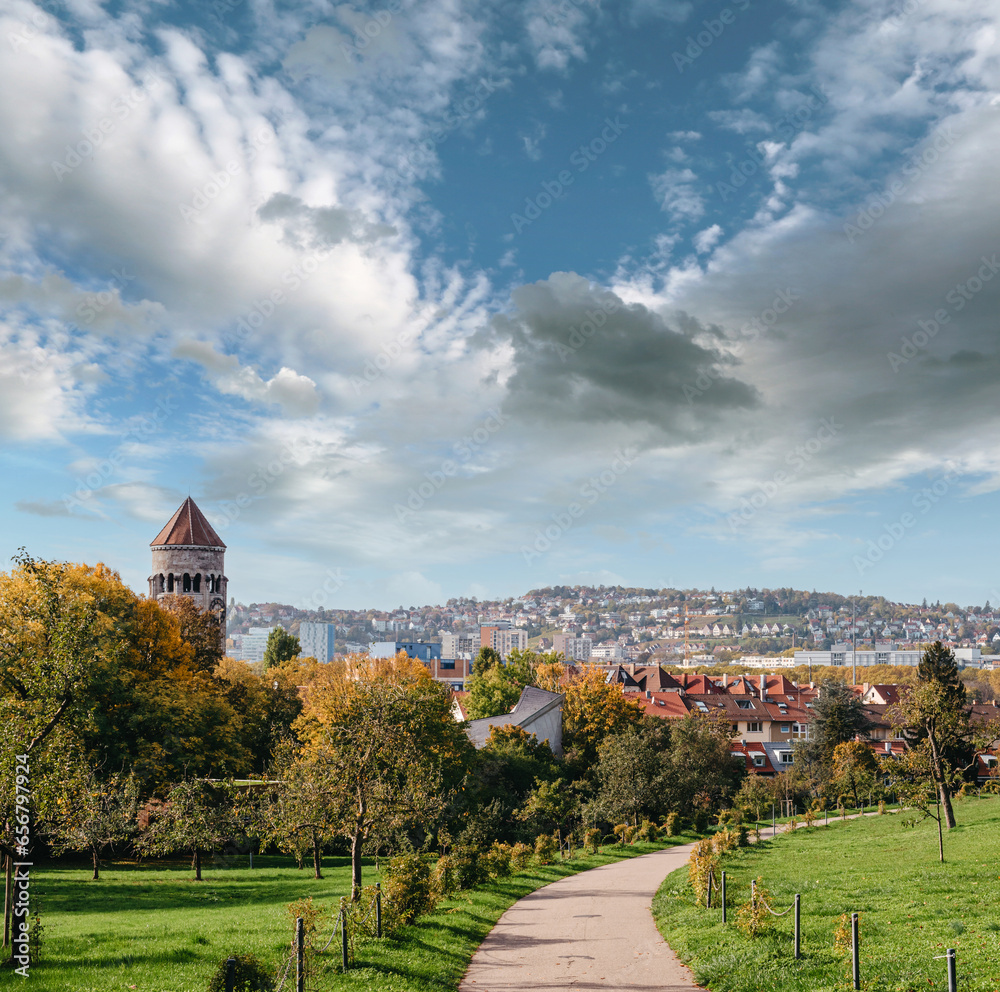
763, 685
725, 681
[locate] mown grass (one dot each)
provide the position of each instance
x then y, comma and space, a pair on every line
152, 928
912, 907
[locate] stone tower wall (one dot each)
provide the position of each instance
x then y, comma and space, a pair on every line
200, 564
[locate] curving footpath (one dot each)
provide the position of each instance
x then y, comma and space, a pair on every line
589, 931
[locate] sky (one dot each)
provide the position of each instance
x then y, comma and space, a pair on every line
455, 298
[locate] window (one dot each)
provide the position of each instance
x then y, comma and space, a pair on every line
745, 704
187, 582
754, 727
448, 664
785, 757
758, 760
197, 582
170, 583
786, 728
736, 729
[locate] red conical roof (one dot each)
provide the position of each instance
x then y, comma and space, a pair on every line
189, 527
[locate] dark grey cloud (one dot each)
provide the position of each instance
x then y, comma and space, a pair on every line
583, 355
308, 227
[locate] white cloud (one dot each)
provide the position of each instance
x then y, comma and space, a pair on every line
675, 191
706, 240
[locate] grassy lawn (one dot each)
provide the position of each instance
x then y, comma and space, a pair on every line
912, 908
153, 929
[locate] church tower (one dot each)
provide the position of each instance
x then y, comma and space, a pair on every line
189, 560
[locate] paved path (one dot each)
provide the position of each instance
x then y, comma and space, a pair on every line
589, 931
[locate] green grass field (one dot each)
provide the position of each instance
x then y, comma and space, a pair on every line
912, 907
153, 929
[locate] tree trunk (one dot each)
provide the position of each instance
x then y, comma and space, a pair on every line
357, 841
317, 855
940, 780
97, 873
197, 864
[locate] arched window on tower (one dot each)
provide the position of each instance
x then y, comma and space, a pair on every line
170, 582
197, 582
187, 582
162, 583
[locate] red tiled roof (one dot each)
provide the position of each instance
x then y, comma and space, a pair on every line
188, 527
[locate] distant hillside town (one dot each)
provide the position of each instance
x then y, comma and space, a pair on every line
755, 628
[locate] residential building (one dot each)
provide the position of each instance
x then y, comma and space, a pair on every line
503, 639
254, 643
573, 648
316, 640
537, 712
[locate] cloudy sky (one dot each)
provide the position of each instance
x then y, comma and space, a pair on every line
427, 298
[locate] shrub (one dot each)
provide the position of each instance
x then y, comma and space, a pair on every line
809, 816
753, 917
649, 832
701, 862
520, 856
443, 876
497, 860
672, 824
361, 920
469, 871
621, 832
406, 882
701, 821
742, 837
251, 976
546, 849
730, 816
725, 840
592, 838
842, 934
310, 914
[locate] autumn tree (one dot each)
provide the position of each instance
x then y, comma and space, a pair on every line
839, 717
383, 732
854, 767
594, 709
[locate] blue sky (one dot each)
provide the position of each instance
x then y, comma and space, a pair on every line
459, 298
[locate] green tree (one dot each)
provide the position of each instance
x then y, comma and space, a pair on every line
197, 816
629, 776
854, 768
699, 770
90, 814
935, 717
494, 686
281, 647
839, 717
551, 806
